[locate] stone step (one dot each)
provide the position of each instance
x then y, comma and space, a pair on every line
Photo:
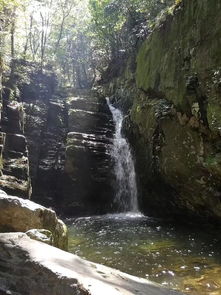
90, 140
14, 154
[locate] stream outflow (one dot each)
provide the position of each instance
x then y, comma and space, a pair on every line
126, 186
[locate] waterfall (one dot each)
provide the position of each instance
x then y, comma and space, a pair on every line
126, 186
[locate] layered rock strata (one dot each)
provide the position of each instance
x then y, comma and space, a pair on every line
25, 97
88, 185
45, 129
69, 146
55, 144
14, 161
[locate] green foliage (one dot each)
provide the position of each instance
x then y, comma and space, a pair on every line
79, 38
8, 4
118, 24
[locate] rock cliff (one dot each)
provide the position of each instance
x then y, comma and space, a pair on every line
171, 92
88, 183
14, 161
55, 143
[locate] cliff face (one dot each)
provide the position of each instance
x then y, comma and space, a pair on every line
28, 96
173, 93
14, 161
46, 131
88, 184
55, 144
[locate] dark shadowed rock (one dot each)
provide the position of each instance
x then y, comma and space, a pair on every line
69, 151
88, 164
14, 163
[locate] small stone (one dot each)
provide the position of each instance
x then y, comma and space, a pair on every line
41, 235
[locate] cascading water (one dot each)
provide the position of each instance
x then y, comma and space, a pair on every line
126, 188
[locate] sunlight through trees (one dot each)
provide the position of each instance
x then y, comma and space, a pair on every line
77, 38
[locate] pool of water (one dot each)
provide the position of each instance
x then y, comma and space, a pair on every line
183, 259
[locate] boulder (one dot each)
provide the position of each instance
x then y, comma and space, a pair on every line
31, 267
20, 215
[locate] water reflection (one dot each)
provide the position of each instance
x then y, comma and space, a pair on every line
178, 258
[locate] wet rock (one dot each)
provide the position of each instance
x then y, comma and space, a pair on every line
22, 215
31, 267
174, 119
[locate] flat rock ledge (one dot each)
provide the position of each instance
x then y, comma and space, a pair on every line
30, 267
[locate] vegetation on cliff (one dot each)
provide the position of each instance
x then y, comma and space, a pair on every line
170, 89
77, 38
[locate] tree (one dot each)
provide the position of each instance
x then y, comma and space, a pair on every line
118, 23
79, 38
66, 8
7, 29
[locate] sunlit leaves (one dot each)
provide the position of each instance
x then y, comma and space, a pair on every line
117, 23
76, 36
9, 4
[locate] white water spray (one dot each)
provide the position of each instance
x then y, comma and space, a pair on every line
126, 190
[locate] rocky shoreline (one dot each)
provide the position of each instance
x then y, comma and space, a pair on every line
31, 262
33, 267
